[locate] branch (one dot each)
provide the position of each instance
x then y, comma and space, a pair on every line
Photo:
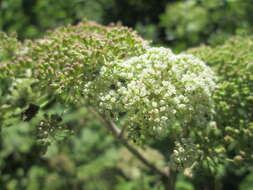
118, 134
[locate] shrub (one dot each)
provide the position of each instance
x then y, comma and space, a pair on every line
150, 92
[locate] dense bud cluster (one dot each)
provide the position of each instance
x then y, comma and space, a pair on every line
69, 57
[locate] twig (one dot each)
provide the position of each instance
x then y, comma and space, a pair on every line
118, 134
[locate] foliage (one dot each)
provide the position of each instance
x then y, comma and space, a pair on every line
163, 22
80, 161
30, 18
205, 21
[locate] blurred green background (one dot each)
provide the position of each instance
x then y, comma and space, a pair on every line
163, 21
91, 159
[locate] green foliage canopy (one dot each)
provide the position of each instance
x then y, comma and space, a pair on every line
206, 21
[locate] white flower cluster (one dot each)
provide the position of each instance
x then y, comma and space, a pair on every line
158, 88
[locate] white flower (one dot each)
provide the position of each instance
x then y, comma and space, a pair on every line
113, 99
163, 108
164, 118
154, 104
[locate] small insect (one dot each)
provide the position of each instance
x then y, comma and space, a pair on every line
30, 112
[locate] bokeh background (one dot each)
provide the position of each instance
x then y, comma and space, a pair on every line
91, 159
177, 23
